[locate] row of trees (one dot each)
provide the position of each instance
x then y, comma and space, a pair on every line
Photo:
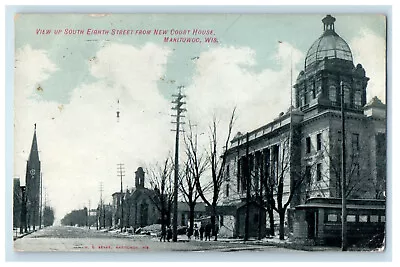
274, 184
200, 177
48, 216
203, 173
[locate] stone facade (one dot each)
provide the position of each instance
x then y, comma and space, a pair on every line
304, 143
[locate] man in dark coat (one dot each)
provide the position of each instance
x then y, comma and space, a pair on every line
169, 233
163, 233
201, 231
208, 231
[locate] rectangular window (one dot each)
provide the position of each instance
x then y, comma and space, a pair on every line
383, 219
319, 141
332, 217
227, 190
313, 90
363, 218
332, 93
357, 98
308, 145
351, 218
308, 175
355, 141
346, 95
227, 172
238, 173
373, 218
319, 172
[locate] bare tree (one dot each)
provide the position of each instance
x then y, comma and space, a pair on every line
195, 166
217, 163
160, 178
279, 193
359, 178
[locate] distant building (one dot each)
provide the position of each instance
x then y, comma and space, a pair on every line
141, 206
184, 212
17, 203
138, 206
313, 126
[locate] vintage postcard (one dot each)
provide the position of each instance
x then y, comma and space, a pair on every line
199, 132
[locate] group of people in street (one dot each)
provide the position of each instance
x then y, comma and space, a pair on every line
166, 233
203, 232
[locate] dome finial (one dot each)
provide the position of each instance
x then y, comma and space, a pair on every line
329, 23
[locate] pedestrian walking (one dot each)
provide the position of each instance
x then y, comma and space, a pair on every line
189, 233
207, 231
215, 232
196, 232
163, 233
169, 233
201, 232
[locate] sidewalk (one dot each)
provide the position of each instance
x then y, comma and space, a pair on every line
287, 243
17, 234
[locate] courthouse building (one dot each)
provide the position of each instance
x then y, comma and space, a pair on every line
313, 127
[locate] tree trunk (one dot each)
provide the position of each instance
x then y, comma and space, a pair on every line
191, 216
213, 215
282, 225
271, 222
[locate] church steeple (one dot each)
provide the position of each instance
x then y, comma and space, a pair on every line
34, 153
33, 181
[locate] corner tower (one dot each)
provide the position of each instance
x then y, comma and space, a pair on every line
329, 62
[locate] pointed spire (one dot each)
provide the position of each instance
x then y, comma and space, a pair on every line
34, 154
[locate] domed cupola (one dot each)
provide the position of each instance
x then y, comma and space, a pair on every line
329, 45
327, 66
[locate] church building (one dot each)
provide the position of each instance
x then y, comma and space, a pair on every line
33, 182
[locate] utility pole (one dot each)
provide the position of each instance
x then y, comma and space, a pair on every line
101, 203
178, 107
248, 184
121, 173
343, 171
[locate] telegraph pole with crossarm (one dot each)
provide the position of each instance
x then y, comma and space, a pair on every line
178, 107
121, 173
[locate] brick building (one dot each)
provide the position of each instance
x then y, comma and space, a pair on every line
303, 145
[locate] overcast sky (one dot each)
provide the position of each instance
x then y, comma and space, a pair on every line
81, 78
